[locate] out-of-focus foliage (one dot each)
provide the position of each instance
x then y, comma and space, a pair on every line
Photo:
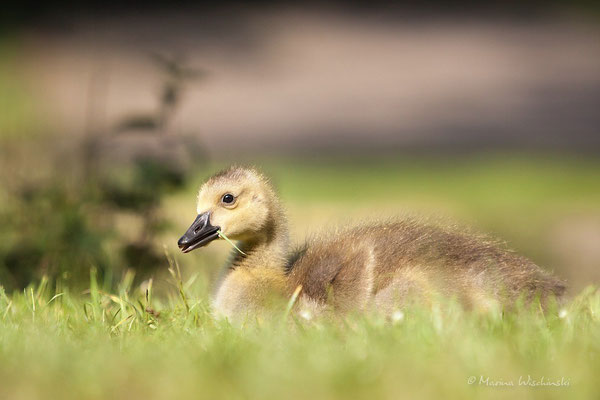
50, 230
16, 105
62, 223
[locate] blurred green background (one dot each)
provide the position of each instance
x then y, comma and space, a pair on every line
110, 119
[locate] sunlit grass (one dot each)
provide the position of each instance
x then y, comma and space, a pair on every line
130, 344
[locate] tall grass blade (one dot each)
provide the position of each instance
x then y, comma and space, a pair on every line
221, 234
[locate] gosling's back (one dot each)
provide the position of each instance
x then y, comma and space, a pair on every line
388, 264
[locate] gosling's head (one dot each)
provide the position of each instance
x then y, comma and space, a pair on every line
239, 202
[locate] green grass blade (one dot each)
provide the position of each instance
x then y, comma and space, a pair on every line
221, 234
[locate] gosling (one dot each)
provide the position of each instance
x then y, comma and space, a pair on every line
379, 266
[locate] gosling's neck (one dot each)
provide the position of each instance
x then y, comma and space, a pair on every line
267, 250
256, 278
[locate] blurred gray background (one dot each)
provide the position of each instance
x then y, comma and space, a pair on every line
330, 78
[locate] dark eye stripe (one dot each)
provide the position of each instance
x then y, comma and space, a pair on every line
228, 198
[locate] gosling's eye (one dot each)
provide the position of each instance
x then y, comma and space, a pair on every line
228, 198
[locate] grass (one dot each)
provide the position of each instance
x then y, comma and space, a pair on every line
129, 345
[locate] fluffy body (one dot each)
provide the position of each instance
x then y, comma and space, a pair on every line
386, 265
379, 266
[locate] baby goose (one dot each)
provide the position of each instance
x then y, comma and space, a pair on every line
378, 266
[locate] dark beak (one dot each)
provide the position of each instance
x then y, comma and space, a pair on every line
199, 234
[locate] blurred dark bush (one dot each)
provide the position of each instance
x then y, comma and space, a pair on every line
63, 224
51, 231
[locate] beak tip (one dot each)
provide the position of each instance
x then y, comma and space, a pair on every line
198, 234
184, 242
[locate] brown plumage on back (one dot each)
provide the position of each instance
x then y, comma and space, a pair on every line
388, 264
379, 266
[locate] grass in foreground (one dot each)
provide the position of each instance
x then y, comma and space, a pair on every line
129, 345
